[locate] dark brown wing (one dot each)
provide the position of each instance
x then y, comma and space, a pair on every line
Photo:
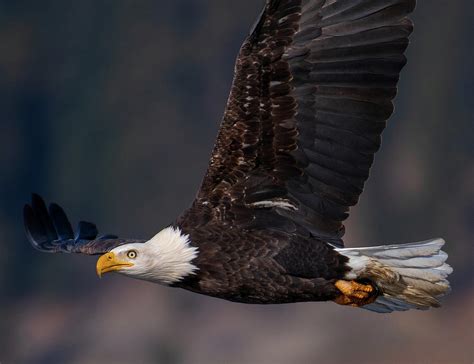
313, 88
50, 231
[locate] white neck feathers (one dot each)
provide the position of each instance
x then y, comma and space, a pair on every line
170, 257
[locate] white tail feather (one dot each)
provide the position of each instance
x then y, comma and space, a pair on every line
408, 275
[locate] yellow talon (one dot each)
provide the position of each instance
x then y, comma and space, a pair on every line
354, 293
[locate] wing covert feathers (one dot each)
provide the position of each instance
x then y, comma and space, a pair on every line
312, 91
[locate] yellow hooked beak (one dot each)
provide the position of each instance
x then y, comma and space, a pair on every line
109, 263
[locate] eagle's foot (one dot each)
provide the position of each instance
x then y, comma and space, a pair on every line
355, 294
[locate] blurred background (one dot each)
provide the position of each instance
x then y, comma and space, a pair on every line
110, 108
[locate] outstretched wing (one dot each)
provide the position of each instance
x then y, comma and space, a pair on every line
313, 88
50, 231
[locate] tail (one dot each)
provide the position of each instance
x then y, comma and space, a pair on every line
407, 275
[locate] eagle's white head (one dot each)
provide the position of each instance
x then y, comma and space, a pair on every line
166, 258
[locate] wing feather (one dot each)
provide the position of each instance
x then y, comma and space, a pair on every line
312, 91
51, 231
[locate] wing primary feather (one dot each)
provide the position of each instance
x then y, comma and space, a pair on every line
61, 222
34, 230
41, 213
86, 230
50, 231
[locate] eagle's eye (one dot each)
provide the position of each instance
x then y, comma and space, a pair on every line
132, 254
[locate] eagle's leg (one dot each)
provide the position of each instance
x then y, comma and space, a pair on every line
355, 294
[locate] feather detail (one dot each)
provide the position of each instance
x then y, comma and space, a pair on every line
51, 232
312, 91
408, 275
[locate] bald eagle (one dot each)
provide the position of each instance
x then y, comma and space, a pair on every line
312, 91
